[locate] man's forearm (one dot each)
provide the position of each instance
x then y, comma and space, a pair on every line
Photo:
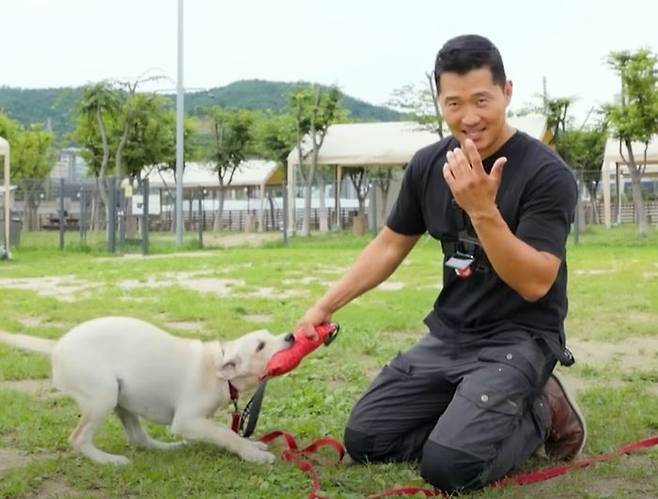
373, 266
529, 272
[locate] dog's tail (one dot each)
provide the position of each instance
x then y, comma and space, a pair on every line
29, 343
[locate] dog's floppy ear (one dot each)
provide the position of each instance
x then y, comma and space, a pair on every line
228, 368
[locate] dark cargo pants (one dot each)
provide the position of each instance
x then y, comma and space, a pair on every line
468, 413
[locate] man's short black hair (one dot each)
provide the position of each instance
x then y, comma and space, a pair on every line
467, 52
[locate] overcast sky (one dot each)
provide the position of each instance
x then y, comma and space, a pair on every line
368, 47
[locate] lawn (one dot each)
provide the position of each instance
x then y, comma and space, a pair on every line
225, 292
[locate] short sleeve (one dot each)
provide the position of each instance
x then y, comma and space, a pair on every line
547, 210
406, 217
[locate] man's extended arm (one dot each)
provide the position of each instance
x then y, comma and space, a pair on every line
373, 266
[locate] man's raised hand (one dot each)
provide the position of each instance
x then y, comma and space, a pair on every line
473, 189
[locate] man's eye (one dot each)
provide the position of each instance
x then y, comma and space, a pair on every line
261, 345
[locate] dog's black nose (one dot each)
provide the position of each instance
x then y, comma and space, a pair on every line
289, 338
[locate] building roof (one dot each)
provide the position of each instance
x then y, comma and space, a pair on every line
612, 157
253, 172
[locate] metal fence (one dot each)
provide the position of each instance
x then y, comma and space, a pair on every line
80, 208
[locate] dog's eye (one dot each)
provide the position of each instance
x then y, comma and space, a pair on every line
261, 345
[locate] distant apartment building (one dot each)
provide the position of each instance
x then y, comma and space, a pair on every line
70, 166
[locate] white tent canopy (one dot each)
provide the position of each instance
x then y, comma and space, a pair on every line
614, 166
251, 173
380, 144
4, 152
389, 143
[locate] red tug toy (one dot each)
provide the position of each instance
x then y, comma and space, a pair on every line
286, 360
281, 363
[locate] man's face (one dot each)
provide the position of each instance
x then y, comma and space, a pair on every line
473, 106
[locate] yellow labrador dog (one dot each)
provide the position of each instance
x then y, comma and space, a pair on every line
135, 369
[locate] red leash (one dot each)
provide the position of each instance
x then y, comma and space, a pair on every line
300, 458
537, 476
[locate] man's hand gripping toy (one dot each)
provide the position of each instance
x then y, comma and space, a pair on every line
286, 360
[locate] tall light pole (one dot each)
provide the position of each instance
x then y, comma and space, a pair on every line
180, 104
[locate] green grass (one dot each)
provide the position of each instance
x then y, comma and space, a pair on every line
613, 287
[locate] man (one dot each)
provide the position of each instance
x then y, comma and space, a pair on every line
473, 399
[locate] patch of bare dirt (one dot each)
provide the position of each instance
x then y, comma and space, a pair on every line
240, 239
14, 458
64, 288
189, 280
269, 292
57, 488
299, 280
30, 321
391, 285
139, 256
330, 269
593, 271
632, 353
219, 287
39, 388
592, 484
577, 384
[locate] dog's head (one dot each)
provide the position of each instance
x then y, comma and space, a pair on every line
245, 358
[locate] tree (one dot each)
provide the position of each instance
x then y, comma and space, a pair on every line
361, 183
168, 145
147, 139
419, 103
555, 111
583, 150
313, 110
8, 127
132, 104
274, 137
232, 135
32, 158
635, 116
98, 105
381, 177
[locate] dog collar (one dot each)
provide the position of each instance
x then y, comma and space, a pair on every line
233, 392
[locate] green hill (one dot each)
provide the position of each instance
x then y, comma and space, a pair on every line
54, 107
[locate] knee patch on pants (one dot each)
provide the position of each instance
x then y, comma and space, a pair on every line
359, 445
451, 470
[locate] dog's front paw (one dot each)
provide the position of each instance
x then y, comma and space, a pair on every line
260, 445
255, 454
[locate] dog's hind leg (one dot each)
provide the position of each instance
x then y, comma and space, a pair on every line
95, 409
138, 436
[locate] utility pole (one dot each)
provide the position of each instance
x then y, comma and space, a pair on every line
180, 104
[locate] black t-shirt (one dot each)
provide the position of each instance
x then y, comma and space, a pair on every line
537, 197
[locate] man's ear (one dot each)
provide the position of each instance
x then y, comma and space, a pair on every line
508, 90
228, 369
